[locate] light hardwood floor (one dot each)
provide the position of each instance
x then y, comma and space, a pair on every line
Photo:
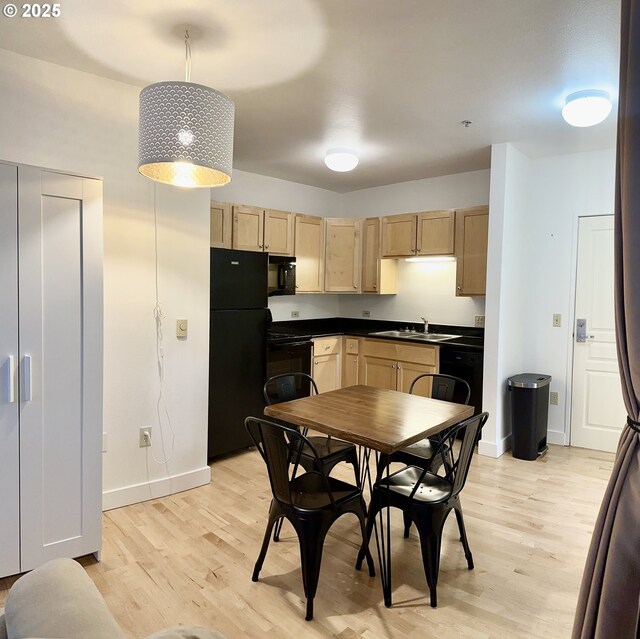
188, 558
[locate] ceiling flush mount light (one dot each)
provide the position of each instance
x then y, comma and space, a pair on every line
586, 108
186, 132
341, 160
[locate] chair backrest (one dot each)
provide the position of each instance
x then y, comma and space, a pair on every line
288, 386
274, 442
445, 387
461, 455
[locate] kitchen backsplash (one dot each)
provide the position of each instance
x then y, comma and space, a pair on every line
425, 289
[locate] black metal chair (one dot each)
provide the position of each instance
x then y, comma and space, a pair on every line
330, 451
427, 499
311, 502
422, 453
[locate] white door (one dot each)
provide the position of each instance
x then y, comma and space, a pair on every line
597, 409
60, 316
9, 430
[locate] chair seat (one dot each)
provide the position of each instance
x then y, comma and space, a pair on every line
309, 491
432, 489
324, 446
423, 449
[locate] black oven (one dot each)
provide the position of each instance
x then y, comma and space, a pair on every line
289, 354
282, 275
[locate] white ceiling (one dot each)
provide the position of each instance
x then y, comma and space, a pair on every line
392, 79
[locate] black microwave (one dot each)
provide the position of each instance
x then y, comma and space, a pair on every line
282, 275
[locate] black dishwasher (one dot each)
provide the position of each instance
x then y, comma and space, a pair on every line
466, 364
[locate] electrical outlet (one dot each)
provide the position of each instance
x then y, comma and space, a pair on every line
366, 313
295, 313
557, 320
145, 437
553, 398
479, 321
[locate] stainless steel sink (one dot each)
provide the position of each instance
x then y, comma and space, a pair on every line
429, 337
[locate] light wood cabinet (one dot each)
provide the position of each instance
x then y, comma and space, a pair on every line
435, 233
342, 256
412, 234
220, 226
378, 275
394, 365
51, 367
327, 363
248, 228
256, 229
278, 232
472, 231
350, 361
309, 252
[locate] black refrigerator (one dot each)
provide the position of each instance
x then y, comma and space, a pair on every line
239, 320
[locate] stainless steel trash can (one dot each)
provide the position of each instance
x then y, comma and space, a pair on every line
529, 410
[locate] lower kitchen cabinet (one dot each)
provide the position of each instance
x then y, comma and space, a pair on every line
393, 365
327, 363
350, 361
51, 367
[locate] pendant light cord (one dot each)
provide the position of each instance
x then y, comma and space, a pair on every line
187, 52
161, 405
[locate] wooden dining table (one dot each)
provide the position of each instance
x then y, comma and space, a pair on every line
378, 420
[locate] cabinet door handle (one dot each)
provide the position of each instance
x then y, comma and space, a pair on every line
266, 246
11, 379
375, 286
27, 381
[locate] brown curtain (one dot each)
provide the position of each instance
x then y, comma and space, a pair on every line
609, 602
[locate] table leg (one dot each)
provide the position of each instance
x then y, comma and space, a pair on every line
381, 528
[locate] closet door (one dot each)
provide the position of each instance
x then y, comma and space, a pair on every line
9, 431
60, 316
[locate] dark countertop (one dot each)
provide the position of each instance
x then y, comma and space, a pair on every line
472, 338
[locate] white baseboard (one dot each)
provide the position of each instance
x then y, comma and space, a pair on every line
493, 449
136, 493
555, 437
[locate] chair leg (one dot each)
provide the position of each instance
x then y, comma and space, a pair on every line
274, 513
407, 523
430, 530
383, 462
277, 529
311, 536
463, 535
356, 467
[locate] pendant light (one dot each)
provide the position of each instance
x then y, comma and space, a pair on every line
186, 132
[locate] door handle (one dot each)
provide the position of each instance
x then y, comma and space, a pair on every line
27, 379
581, 331
10, 388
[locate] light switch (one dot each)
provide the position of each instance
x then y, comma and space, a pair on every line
557, 320
181, 328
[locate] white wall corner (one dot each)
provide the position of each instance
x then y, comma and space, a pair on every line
155, 489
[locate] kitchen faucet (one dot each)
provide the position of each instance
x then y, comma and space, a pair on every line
426, 324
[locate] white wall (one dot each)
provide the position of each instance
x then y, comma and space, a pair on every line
508, 296
563, 189
59, 118
535, 205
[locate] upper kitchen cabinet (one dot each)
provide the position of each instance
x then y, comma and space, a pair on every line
309, 252
220, 229
256, 229
278, 232
342, 256
248, 228
472, 227
378, 275
426, 233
